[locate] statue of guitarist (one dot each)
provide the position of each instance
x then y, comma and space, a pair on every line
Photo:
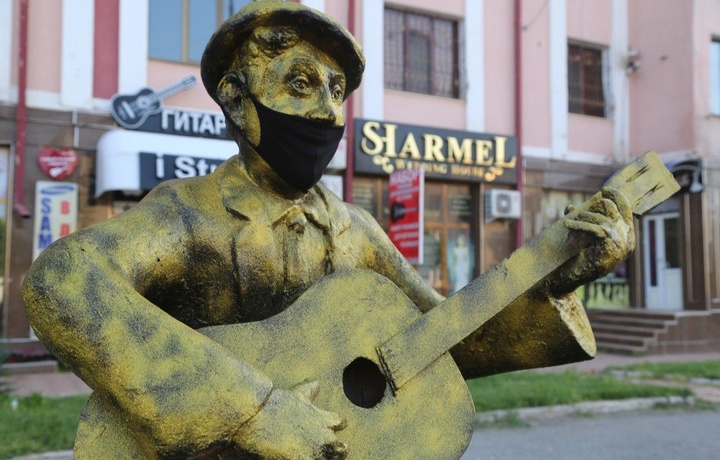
119, 303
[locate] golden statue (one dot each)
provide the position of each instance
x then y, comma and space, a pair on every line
251, 313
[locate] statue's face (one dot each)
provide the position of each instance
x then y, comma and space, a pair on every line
302, 81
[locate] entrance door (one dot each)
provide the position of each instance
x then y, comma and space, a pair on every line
663, 275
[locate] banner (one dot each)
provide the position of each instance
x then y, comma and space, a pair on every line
407, 200
56, 213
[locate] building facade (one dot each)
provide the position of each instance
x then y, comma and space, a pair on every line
513, 109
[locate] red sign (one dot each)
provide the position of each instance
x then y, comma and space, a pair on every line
57, 164
407, 196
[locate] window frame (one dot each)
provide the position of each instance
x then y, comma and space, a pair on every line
594, 107
403, 83
714, 77
185, 31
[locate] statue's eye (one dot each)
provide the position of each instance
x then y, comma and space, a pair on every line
300, 84
337, 93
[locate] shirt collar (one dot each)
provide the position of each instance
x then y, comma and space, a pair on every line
245, 200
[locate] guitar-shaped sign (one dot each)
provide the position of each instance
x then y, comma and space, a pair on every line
131, 111
379, 362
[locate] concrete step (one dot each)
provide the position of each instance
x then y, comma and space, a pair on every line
633, 313
646, 323
620, 339
620, 349
30, 367
607, 328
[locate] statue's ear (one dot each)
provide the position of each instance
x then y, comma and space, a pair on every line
230, 94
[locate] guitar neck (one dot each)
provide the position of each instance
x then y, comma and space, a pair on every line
176, 88
645, 183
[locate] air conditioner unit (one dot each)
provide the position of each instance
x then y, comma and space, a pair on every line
502, 204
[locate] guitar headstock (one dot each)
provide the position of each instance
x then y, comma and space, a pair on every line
645, 182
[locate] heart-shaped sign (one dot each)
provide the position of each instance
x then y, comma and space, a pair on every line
57, 164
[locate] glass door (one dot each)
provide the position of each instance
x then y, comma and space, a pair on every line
663, 275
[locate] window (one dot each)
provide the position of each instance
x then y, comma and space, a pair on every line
715, 76
586, 81
180, 29
421, 54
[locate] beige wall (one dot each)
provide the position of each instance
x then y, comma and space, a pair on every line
661, 94
536, 74
44, 45
499, 66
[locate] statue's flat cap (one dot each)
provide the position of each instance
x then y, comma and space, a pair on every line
313, 26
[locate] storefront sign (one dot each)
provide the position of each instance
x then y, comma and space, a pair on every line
383, 148
186, 123
406, 203
143, 111
55, 213
57, 164
159, 167
136, 161
131, 111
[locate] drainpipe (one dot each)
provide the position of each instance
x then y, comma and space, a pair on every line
21, 116
350, 123
519, 240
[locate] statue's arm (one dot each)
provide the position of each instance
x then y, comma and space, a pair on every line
546, 326
83, 302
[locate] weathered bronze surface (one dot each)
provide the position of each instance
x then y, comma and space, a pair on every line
208, 317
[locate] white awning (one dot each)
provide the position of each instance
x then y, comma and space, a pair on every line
118, 166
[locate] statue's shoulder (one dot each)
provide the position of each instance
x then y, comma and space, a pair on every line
201, 192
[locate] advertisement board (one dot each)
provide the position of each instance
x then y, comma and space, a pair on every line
56, 213
406, 203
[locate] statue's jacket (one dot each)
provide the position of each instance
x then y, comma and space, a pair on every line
118, 301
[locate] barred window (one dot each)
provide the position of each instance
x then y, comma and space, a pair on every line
180, 29
586, 87
421, 53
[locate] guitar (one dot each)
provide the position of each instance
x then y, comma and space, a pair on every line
131, 111
381, 363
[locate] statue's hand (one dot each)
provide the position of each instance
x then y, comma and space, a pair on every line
289, 426
604, 230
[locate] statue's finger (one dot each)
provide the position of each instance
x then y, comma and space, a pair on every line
605, 207
594, 218
308, 389
335, 450
333, 420
586, 227
621, 202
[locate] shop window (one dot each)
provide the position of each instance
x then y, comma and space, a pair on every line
715, 76
372, 196
449, 249
586, 81
421, 53
180, 29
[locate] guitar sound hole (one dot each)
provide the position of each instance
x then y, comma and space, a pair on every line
364, 383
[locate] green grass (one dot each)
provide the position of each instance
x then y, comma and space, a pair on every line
675, 371
38, 424
533, 389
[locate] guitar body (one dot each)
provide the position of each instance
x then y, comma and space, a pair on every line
330, 335
131, 111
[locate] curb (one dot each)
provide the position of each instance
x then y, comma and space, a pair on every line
59, 455
583, 408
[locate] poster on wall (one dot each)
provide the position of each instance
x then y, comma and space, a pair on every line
56, 213
406, 203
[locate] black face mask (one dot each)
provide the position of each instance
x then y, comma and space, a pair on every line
296, 148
